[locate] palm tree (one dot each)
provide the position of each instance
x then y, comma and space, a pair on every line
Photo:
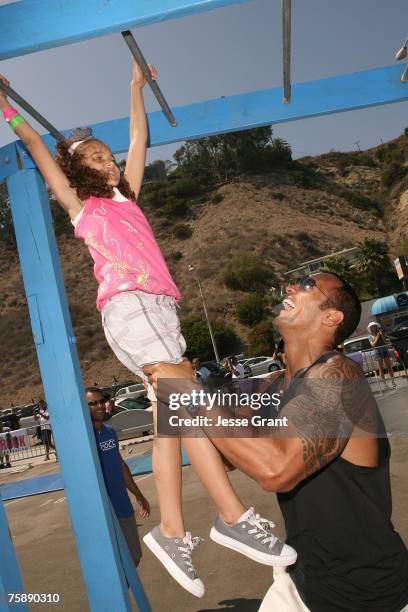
373, 261
339, 265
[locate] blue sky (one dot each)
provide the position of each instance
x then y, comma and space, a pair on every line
227, 51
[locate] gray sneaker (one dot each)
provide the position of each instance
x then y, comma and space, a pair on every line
175, 554
252, 536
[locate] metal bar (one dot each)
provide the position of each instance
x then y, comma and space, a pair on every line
140, 60
29, 109
244, 111
10, 577
286, 40
62, 381
33, 25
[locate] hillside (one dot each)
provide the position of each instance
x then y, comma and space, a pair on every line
286, 217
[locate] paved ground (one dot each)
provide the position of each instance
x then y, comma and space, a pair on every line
46, 551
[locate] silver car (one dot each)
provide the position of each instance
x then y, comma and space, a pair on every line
132, 392
132, 418
260, 365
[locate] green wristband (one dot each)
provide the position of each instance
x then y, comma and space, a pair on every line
15, 121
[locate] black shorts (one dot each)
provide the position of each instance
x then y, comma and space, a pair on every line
131, 533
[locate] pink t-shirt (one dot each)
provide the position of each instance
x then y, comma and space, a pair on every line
125, 252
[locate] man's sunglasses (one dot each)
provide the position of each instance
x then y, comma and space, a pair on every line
307, 283
93, 403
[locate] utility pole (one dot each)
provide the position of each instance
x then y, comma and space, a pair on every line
217, 357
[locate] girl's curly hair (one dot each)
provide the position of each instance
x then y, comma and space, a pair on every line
87, 181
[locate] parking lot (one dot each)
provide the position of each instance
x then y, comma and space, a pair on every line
45, 545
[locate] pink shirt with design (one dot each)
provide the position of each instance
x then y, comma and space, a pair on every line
125, 253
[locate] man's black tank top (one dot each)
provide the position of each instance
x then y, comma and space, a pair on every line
350, 559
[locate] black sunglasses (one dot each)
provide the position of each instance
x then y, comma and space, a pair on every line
307, 283
93, 403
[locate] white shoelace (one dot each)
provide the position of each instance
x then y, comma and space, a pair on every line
187, 549
262, 530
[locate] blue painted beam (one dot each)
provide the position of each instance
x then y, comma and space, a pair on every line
10, 577
32, 25
55, 344
8, 161
311, 99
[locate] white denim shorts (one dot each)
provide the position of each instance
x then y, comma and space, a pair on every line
143, 328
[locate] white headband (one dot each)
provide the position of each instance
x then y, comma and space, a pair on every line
76, 144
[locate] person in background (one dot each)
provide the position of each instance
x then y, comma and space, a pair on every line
44, 417
279, 353
200, 371
4, 455
236, 369
379, 342
116, 474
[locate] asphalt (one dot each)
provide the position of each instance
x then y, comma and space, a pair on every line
46, 551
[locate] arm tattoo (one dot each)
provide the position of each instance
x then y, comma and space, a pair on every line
326, 406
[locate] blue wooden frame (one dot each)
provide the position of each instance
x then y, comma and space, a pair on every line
311, 99
10, 577
55, 343
31, 25
43, 24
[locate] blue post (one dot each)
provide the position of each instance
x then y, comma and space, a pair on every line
129, 567
57, 355
11, 583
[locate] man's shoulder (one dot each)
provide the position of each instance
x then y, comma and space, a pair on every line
338, 367
108, 429
108, 432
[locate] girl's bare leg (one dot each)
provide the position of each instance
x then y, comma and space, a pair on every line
209, 467
166, 461
389, 368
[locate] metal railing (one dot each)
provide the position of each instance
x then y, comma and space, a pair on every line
371, 360
23, 444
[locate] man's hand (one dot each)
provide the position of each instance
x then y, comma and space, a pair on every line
144, 506
183, 371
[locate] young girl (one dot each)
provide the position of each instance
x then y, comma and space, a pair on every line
138, 300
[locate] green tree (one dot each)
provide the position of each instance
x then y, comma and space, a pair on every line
247, 272
197, 336
339, 265
251, 310
374, 266
6, 222
219, 158
261, 340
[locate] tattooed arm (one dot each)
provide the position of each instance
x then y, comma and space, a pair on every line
328, 404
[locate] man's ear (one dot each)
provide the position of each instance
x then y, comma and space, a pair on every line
332, 317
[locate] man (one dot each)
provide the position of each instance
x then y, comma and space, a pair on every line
116, 474
201, 372
330, 470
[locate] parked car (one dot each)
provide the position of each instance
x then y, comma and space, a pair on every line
125, 403
360, 350
131, 422
218, 375
399, 338
111, 390
131, 392
260, 365
25, 411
